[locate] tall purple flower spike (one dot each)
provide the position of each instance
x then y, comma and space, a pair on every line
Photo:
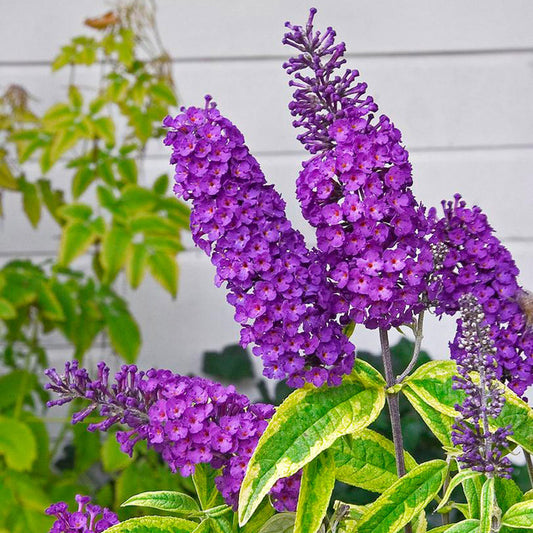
86, 519
189, 420
356, 190
472, 260
482, 448
282, 297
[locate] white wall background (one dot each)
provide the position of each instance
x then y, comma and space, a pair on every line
455, 76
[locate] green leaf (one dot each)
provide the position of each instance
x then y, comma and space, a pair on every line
306, 423
64, 140
76, 211
154, 524
17, 444
455, 482
367, 460
114, 250
123, 332
105, 128
487, 506
520, 515
404, 499
136, 264
112, 457
318, 479
81, 181
432, 382
127, 168
7, 310
204, 483
31, 201
263, 513
75, 97
58, 116
52, 198
137, 199
165, 501
76, 238
164, 269
49, 304
279, 523
232, 364
466, 526
162, 91
472, 489
15, 384
160, 185
7, 179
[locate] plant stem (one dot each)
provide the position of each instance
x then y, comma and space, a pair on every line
393, 402
529, 464
418, 345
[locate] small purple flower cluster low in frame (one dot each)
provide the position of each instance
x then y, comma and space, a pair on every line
481, 448
88, 518
356, 191
475, 261
189, 420
280, 291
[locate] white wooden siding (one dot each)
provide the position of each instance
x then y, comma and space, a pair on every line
455, 76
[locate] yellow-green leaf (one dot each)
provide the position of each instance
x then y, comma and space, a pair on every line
520, 515
204, 483
466, 526
279, 523
487, 506
318, 479
114, 250
367, 460
404, 499
165, 500
17, 444
136, 264
154, 524
432, 382
76, 238
164, 269
309, 421
7, 310
457, 480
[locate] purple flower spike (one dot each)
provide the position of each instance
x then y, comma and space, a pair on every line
282, 297
86, 519
189, 420
482, 449
356, 190
472, 260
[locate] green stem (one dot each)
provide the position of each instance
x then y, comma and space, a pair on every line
529, 464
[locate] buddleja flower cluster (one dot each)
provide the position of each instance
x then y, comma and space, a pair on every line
484, 399
474, 261
280, 291
189, 420
89, 518
355, 192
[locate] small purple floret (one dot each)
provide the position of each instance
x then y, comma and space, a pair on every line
86, 519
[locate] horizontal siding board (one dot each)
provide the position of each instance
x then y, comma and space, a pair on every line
438, 103
500, 181
222, 28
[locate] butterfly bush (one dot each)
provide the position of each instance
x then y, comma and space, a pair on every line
356, 190
482, 448
282, 297
88, 518
380, 260
472, 260
188, 420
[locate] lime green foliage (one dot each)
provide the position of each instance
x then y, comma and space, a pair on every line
109, 222
433, 384
404, 500
154, 524
367, 460
316, 487
488, 506
520, 515
308, 422
280, 523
